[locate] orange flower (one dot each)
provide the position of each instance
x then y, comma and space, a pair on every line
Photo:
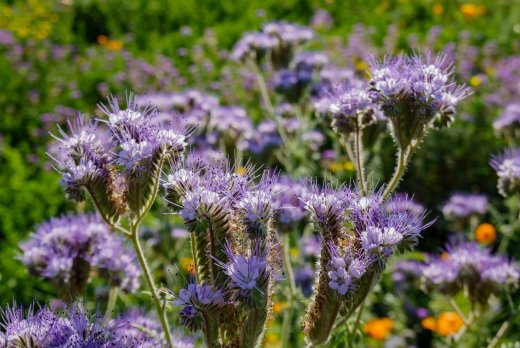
429, 323
102, 39
471, 11
378, 328
485, 233
279, 306
448, 323
115, 45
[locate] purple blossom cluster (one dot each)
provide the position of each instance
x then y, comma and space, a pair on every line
278, 40
372, 235
507, 167
463, 205
118, 167
198, 300
466, 264
73, 327
290, 208
415, 93
509, 120
65, 250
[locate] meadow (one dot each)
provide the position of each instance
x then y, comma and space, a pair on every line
255, 173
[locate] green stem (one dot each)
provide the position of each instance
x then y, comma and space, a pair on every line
292, 291
398, 173
359, 160
149, 280
500, 333
288, 266
263, 87
112, 298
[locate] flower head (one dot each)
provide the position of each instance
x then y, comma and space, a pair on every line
461, 205
507, 167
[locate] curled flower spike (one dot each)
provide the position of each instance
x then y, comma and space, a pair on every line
467, 265
351, 107
415, 93
248, 274
64, 250
507, 167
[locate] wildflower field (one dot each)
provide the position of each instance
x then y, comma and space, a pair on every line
298, 173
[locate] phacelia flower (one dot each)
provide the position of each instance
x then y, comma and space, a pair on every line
43, 327
509, 120
507, 167
351, 107
195, 300
462, 205
415, 94
65, 249
466, 264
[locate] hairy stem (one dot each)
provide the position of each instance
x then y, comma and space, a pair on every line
398, 173
359, 160
149, 280
112, 298
500, 333
292, 291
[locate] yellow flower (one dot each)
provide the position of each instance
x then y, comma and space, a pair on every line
437, 9
187, 264
271, 339
475, 81
429, 323
115, 45
378, 328
449, 323
485, 234
347, 165
361, 65
295, 252
471, 11
279, 306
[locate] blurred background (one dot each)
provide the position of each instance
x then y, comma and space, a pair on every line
61, 58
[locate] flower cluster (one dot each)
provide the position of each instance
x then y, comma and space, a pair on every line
359, 234
507, 166
64, 250
290, 209
234, 249
462, 205
466, 264
42, 327
415, 93
277, 39
119, 167
352, 107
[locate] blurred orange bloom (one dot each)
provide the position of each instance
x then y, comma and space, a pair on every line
485, 233
378, 328
429, 323
102, 39
115, 45
449, 323
471, 11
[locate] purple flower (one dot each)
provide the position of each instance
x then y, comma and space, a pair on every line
510, 118
345, 269
64, 250
42, 327
351, 107
286, 199
415, 93
461, 205
466, 264
253, 46
248, 274
507, 166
